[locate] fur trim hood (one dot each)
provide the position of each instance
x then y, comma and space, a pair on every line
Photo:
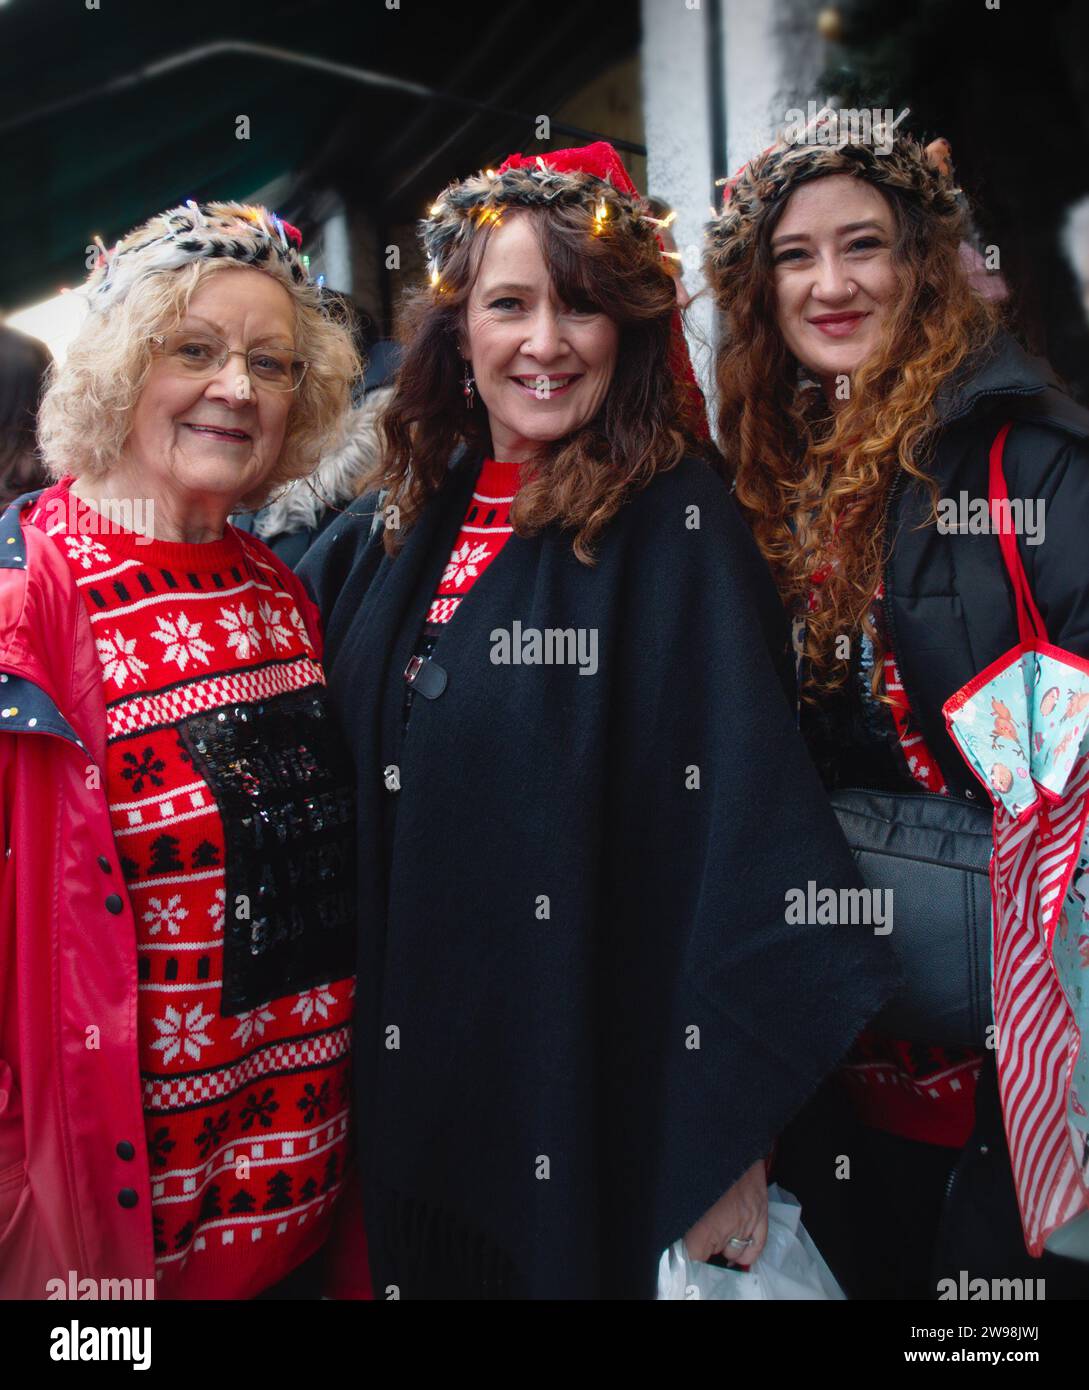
335, 480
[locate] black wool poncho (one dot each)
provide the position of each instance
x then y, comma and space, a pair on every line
581, 1011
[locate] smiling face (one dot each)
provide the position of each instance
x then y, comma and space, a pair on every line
542, 367
214, 437
834, 272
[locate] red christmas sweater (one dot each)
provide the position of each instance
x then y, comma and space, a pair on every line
245, 1098
483, 534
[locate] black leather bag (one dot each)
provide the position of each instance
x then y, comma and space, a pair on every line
933, 852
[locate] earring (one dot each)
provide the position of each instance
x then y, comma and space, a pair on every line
468, 382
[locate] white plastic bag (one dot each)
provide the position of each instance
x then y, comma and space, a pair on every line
789, 1267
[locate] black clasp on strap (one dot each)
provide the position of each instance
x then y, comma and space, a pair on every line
426, 677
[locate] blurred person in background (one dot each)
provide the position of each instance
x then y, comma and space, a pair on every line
23, 365
674, 262
1076, 246
298, 515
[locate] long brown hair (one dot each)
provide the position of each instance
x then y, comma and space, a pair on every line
812, 484
645, 425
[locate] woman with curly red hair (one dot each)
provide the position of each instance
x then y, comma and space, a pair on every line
862, 382
583, 1011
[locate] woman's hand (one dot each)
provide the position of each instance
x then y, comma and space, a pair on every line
742, 1212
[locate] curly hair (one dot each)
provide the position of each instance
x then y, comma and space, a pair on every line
86, 412
645, 425
813, 485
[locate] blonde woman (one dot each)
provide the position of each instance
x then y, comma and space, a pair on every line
175, 996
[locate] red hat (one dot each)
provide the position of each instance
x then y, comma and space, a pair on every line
599, 159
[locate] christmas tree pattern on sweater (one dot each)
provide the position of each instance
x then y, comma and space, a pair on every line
246, 1112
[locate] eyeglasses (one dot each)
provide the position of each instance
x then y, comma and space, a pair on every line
203, 354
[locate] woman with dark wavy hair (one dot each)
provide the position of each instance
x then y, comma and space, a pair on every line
863, 380
584, 1011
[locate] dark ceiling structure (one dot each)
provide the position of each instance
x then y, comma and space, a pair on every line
108, 114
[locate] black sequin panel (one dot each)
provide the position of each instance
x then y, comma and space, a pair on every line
282, 778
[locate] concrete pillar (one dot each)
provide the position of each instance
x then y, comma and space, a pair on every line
750, 59
677, 115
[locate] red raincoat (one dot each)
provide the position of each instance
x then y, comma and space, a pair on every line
75, 1197
69, 1081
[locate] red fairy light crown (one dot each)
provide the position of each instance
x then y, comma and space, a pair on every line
592, 176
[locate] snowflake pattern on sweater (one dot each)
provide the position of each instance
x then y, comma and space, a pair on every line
246, 1111
484, 532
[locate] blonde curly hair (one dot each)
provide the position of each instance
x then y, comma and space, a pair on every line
87, 410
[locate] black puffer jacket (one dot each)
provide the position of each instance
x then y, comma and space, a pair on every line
949, 608
948, 613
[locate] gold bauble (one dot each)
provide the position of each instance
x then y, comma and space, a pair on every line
830, 24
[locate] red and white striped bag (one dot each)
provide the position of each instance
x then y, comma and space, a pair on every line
1022, 725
